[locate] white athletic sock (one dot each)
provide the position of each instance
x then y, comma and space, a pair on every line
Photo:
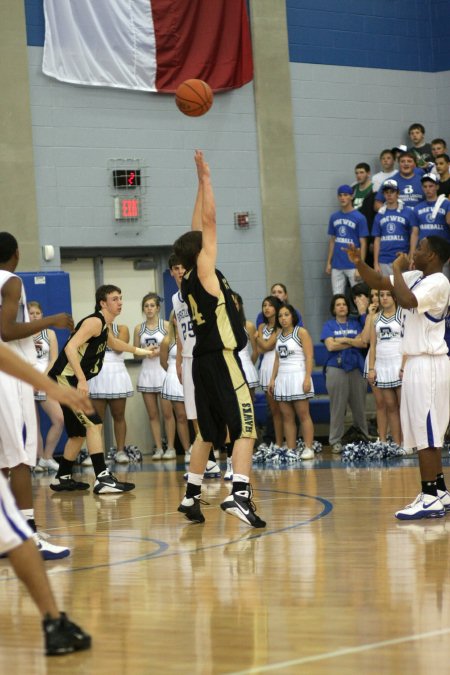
240, 478
195, 478
28, 514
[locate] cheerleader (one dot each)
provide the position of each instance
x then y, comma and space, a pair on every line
46, 346
291, 382
112, 386
385, 359
266, 338
172, 394
380, 403
150, 334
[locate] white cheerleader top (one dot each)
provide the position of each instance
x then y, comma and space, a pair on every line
112, 356
290, 352
389, 334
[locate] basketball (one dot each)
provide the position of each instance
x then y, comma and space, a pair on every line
194, 98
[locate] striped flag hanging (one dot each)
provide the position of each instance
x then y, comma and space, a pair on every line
148, 45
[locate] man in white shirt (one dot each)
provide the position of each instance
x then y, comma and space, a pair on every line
424, 295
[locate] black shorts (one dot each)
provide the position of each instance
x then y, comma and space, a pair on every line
76, 424
222, 398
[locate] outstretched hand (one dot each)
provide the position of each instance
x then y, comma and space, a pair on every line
202, 166
354, 253
402, 262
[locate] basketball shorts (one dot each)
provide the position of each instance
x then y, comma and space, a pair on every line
18, 424
188, 388
425, 400
76, 423
222, 398
14, 529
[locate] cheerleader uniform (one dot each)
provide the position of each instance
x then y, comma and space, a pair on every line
388, 358
250, 372
291, 369
113, 381
42, 346
152, 375
266, 367
172, 388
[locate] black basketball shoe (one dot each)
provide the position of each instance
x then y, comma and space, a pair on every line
240, 505
63, 637
67, 484
106, 483
192, 509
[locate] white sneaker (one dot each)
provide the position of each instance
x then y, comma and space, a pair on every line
158, 454
170, 453
87, 461
121, 457
187, 456
308, 453
336, 449
50, 551
445, 498
424, 506
212, 470
49, 464
228, 475
40, 466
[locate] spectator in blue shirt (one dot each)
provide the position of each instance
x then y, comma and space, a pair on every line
433, 214
345, 226
394, 229
408, 182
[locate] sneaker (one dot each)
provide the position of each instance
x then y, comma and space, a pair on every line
187, 456
67, 484
49, 551
445, 498
40, 466
121, 457
424, 506
48, 464
228, 475
291, 456
190, 506
336, 448
170, 453
63, 637
240, 505
106, 483
212, 470
308, 453
158, 454
86, 461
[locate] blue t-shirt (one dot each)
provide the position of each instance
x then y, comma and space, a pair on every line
261, 319
394, 229
347, 359
348, 228
429, 226
411, 192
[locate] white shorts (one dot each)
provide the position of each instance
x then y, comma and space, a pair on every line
188, 389
17, 419
425, 401
14, 529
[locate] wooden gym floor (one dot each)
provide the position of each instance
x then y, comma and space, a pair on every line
333, 585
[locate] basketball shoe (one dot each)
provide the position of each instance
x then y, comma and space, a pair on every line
190, 506
424, 506
49, 551
106, 483
63, 637
67, 484
240, 505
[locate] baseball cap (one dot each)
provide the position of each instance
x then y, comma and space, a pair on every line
345, 190
401, 148
390, 184
430, 176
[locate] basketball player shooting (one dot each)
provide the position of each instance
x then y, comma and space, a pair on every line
222, 395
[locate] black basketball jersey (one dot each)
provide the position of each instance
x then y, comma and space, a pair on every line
91, 354
216, 321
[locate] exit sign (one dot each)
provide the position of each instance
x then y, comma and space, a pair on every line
127, 208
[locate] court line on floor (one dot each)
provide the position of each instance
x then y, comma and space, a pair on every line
346, 651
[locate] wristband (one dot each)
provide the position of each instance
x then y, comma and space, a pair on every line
369, 369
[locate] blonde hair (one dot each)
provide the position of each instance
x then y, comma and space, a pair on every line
34, 303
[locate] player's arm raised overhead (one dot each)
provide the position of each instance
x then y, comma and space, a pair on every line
206, 261
372, 278
197, 223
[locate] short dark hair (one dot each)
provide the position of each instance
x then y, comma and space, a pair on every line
444, 156
411, 155
439, 246
187, 247
173, 261
102, 292
337, 296
416, 125
8, 246
291, 311
363, 165
360, 288
387, 151
441, 141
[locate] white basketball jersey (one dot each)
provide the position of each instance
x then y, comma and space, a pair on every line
184, 325
25, 346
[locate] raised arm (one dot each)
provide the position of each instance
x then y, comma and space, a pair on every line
372, 278
196, 223
206, 261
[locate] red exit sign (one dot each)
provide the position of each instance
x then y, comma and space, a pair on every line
126, 208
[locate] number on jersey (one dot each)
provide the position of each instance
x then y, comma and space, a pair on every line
196, 315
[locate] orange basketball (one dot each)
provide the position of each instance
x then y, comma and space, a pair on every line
194, 97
